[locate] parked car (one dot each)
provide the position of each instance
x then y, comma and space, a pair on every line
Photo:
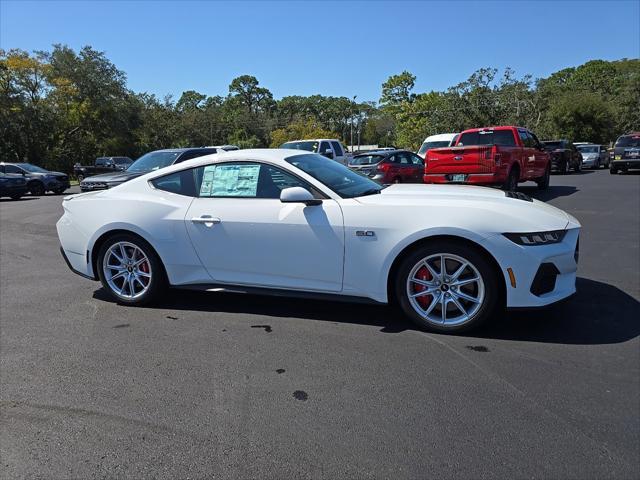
436, 141
101, 165
389, 166
275, 221
564, 156
146, 163
626, 153
226, 148
39, 180
593, 156
327, 147
501, 156
12, 185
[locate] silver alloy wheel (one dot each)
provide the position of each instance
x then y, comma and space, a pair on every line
445, 289
127, 270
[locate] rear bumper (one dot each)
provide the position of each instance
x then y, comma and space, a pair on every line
70, 265
470, 178
11, 190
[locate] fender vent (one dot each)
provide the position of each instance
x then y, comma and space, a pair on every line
519, 196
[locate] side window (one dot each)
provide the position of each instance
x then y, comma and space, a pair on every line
415, 159
2, 169
101, 162
404, 159
337, 149
12, 169
536, 143
393, 159
185, 182
324, 146
246, 180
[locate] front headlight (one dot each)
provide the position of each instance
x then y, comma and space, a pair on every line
536, 238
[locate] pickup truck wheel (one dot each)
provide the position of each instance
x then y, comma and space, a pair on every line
543, 182
511, 183
613, 170
447, 287
36, 189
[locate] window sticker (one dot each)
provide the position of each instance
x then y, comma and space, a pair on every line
207, 181
235, 180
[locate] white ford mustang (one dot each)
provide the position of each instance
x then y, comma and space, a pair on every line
274, 220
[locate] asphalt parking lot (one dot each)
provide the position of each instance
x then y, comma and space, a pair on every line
236, 386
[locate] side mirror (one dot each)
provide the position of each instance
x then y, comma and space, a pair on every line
298, 195
328, 153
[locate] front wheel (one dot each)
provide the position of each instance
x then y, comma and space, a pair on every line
447, 287
37, 189
130, 270
543, 182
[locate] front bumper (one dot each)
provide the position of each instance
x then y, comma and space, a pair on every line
625, 164
544, 274
590, 163
57, 184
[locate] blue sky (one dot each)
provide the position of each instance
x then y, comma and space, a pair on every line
331, 48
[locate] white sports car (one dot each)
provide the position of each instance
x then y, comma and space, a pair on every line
274, 220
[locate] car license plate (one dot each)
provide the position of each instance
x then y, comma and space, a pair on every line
458, 177
634, 154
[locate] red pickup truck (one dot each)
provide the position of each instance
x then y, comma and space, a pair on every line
490, 156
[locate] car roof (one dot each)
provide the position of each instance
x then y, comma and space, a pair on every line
440, 137
382, 152
314, 140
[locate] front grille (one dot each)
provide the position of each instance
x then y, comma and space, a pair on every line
545, 279
518, 196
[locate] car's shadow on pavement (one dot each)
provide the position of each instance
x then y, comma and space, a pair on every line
554, 191
21, 199
597, 314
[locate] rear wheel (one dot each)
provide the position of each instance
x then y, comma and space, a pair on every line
543, 182
511, 183
130, 271
447, 287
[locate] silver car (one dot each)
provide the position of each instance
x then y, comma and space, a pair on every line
593, 156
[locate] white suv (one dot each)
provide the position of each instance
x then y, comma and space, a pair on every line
328, 147
436, 141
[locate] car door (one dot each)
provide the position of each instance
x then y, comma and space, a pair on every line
339, 154
528, 155
417, 167
540, 154
245, 235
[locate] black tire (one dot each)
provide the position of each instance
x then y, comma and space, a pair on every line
158, 283
490, 279
564, 167
511, 183
59, 191
543, 182
597, 167
36, 189
578, 167
16, 197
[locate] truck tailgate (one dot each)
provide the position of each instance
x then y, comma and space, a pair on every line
469, 159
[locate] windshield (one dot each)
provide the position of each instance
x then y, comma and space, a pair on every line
308, 146
487, 137
553, 145
629, 141
153, 161
32, 168
123, 160
337, 177
366, 160
588, 149
429, 145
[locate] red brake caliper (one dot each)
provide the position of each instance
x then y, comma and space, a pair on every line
144, 267
422, 274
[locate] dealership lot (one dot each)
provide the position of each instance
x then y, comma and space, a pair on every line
237, 386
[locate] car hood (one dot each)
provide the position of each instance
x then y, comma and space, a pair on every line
478, 205
114, 177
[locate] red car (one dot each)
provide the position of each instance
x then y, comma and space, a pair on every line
500, 156
389, 166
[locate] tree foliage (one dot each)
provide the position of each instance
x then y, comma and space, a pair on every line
63, 106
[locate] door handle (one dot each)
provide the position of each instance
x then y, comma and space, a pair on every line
208, 220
